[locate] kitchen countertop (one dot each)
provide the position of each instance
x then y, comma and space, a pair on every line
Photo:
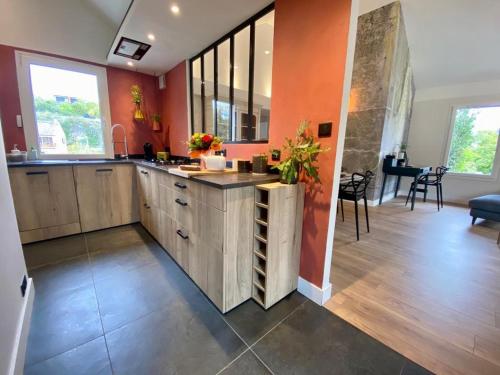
220, 181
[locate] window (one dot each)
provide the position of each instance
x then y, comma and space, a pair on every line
231, 82
65, 107
473, 147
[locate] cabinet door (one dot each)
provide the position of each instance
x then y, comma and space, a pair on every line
144, 189
183, 243
198, 262
106, 196
44, 197
167, 235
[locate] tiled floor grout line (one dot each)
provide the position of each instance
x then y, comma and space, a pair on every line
261, 361
277, 324
234, 360
97, 301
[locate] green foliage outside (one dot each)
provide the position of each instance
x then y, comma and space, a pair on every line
80, 121
471, 151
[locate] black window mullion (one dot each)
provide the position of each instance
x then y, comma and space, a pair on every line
202, 93
231, 86
216, 91
251, 64
191, 94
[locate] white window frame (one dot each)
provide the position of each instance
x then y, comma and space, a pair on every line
496, 162
23, 62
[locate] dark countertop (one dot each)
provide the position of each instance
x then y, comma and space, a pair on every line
235, 180
220, 181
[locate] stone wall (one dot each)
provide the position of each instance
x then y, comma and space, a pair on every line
381, 94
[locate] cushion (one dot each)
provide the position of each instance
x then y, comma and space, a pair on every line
486, 202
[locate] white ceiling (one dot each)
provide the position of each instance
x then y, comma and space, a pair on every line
112, 10
199, 24
451, 41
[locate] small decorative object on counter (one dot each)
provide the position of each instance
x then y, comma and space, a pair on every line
16, 155
202, 144
136, 93
156, 122
244, 166
33, 154
259, 164
161, 155
301, 155
214, 162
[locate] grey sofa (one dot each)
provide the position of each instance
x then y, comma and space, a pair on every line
486, 207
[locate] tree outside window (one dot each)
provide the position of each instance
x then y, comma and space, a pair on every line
474, 140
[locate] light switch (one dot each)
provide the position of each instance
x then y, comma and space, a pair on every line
19, 121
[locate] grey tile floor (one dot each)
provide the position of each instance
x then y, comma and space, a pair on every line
113, 301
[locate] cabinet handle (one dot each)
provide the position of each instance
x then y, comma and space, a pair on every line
36, 173
144, 172
180, 185
104, 170
183, 236
178, 201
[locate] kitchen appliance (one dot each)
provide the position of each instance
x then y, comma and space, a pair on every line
244, 166
148, 152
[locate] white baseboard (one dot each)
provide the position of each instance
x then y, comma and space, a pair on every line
17, 360
313, 292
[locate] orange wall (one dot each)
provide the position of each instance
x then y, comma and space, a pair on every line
310, 49
121, 106
174, 109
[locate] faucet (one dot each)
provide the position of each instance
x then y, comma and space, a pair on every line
124, 156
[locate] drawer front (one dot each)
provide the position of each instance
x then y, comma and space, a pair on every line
184, 210
183, 242
181, 185
210, 196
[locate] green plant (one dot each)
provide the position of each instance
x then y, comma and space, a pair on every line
301, 154
136, 93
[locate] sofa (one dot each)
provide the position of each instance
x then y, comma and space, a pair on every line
485, 207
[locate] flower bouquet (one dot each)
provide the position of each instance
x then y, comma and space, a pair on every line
202, 143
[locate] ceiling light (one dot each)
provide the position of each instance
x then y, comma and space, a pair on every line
151, 36
175, 9
267, 52
130, 63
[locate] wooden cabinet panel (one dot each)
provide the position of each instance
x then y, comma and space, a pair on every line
44, 197
106, 196
167, 235
215, 279
198, 261
183, 242
208, 224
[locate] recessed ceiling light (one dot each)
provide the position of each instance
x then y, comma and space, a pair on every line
267, 52
130, 63
175, 9
151, 36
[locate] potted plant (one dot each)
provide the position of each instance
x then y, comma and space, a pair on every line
136, 93
156, 122
301, 154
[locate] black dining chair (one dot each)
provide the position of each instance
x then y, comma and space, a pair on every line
355, 190
432, 179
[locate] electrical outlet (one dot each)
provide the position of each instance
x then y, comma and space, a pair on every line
275, 155
325, 130
24, 285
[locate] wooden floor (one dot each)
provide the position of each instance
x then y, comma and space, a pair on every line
425, 283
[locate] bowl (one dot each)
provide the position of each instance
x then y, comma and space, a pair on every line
17, 157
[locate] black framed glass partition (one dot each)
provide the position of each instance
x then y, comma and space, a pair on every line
231, 82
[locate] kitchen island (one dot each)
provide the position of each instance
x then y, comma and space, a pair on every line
206, 223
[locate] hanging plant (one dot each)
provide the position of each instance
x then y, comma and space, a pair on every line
156, 122
136, 93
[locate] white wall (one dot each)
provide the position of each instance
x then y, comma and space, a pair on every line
70, 28
429, 132
13, 307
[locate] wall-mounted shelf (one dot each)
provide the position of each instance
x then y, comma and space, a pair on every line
278, 236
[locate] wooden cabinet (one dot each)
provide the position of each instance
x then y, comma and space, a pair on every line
45, 202
278, 237
106, 195
208, 231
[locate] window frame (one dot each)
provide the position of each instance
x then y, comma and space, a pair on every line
23, 62
213, 47
496, 161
